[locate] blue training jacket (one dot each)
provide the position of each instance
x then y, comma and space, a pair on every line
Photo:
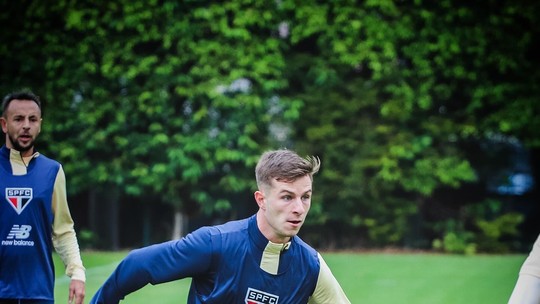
224, 263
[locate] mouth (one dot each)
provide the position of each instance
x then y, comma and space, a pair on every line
25, 138
295, 223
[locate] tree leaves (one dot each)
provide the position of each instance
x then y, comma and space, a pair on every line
177, 99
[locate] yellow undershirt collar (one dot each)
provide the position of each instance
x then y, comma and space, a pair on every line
270, 257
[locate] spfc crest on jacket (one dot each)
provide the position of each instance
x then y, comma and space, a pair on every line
19, 198
254, 296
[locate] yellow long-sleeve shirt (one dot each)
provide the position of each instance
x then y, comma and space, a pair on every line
64, 237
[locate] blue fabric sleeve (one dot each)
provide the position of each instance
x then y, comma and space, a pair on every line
160, 263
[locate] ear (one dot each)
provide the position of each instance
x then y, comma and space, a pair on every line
259, 198
4, 124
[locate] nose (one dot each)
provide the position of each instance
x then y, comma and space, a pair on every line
26, 124
298, 206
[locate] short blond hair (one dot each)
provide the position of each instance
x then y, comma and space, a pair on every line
284, 165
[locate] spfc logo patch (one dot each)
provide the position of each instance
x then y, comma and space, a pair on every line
255, 296
19, 198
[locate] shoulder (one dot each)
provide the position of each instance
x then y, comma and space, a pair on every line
4, 152
305, 247
206, 233
232, 226
45, 159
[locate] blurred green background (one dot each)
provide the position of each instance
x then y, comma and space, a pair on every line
424, 114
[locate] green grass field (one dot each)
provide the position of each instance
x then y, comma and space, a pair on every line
366, 278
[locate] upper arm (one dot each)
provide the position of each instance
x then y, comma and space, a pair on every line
187, 257
526, 291
62, 221
328, 290
527, 288
168, 261
159, 263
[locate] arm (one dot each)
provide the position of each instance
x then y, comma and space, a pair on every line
527, 288
157, 264
65, 240
526, 291
328, 290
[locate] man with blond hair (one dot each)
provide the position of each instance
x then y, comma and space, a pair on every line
259, 259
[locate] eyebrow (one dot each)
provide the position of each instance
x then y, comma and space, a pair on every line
291, 192
22, 115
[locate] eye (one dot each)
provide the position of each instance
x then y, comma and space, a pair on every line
306, 197
287, 198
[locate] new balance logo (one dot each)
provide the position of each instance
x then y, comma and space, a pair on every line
19, 232
19, 198
17, 236
255, 296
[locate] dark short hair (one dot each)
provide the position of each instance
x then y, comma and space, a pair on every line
284, 165
20, 95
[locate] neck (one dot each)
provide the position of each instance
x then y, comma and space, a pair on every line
24, 153
267, 231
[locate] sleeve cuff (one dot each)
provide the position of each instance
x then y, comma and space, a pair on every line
76, 273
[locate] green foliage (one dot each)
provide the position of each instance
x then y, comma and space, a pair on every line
460, 243
493, 232
390, 95
167, 98
455, 238
87, 239
489, 236
175, 100
482, 227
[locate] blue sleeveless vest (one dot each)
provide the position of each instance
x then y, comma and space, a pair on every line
26, 218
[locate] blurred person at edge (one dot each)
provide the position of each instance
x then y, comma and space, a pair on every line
527, 288
259, 259
34, 215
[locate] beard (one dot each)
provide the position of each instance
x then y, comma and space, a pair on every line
20, 148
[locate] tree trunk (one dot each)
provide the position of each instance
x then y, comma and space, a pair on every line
147, 225
92, 211
103, 209
180, 224
114, 222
